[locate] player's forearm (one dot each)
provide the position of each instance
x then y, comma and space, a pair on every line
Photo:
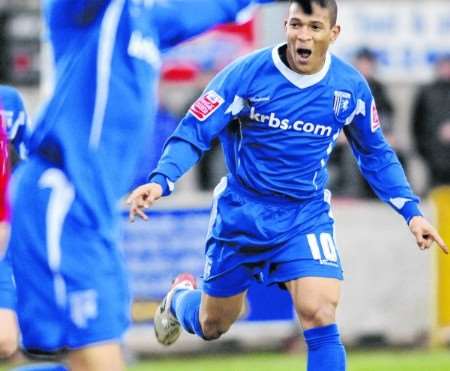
388, 180
381, 168
178, 157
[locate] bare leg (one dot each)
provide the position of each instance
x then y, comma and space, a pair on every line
100, 357
315, 300
9, 333
218, 314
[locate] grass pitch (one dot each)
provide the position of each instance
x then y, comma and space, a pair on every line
358, 361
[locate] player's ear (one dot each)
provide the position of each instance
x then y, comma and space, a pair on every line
335, 31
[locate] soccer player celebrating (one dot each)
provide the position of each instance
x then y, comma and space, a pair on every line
13, 128
72, 292
278, 113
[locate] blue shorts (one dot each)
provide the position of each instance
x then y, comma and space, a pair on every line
72, 289
272, 240
7, 288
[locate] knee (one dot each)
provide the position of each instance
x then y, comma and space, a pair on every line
213, 327
8, 345
319, 314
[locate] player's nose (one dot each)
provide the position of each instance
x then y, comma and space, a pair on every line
303, 34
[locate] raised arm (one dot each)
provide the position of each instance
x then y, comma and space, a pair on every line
179, 20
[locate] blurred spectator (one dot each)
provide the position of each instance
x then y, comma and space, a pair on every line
366, 62
346, 179
4, 46
431, 123
211, 168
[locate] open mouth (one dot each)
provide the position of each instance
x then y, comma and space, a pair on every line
304, 53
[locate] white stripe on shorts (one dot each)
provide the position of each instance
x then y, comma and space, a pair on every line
61, 198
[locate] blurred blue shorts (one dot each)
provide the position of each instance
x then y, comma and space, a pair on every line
72, 290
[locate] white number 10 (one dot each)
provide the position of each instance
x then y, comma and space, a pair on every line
327, 245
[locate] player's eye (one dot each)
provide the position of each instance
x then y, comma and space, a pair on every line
316, 27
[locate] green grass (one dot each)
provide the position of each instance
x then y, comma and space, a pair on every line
358, 361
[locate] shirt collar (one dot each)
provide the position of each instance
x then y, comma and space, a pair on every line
299, 80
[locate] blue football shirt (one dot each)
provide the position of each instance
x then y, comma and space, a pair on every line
278, 129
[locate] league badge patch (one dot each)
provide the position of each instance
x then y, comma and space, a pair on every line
205, 106
374, 118
341, 105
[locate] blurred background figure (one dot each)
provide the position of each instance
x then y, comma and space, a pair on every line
345, 179
8, 326
13, 131
366, 62
431, 123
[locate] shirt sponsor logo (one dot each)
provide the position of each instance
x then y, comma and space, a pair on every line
374, 118
285, 124
206, 105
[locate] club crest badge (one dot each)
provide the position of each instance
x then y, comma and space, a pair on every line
341, 105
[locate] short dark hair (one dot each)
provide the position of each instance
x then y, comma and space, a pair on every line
306, 5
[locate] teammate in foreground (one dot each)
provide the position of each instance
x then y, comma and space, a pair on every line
278, 113
71, 287
13, 126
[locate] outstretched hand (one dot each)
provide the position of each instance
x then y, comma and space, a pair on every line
426, 234
142, 198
